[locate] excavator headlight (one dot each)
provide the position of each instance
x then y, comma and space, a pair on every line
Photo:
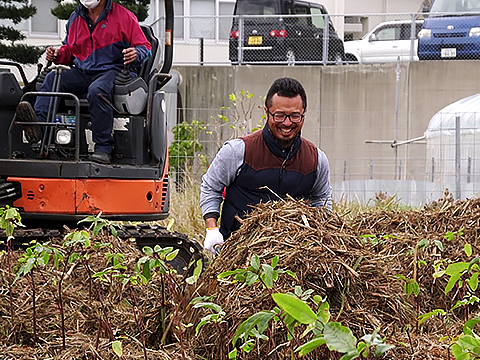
63, 137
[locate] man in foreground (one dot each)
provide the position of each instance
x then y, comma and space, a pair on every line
269, 162
102, 37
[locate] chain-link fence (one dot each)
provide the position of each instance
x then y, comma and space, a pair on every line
412, 172
382, 126
305, 39
320, 39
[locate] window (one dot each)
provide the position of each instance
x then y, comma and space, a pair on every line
387, 34
207, 19
179, 20
202, 27
318, 18
225, 10
257, 8
302, 10
43, 22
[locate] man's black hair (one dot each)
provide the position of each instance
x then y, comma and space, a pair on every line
286, 87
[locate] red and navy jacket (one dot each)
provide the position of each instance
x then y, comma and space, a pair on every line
98, 47
268, 172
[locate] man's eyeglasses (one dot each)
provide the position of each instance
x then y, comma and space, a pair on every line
281, 117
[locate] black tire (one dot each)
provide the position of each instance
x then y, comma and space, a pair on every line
350, 59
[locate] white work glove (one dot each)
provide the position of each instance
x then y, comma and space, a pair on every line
213, 239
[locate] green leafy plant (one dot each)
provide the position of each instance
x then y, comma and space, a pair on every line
450, 235
156, 263
97, 223
74, 246
153, 263
410, 286
185, 150
462, 275
337, 337
9, 220
237, 117
216, 317
467, 345
376, 240
292, 312
36, 255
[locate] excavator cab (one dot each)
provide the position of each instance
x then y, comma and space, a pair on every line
53, 181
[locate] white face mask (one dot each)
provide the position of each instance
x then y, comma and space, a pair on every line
90, 4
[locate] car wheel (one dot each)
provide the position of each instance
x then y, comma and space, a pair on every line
351, 59
290, 57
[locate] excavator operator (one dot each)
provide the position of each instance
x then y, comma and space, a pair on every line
102, 37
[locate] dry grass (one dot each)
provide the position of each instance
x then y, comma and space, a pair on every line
185, 210
357, 275
325, 250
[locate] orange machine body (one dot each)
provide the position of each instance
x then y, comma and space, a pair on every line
90, 196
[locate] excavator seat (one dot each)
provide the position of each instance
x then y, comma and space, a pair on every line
145, 70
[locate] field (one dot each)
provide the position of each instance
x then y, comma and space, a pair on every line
366, 282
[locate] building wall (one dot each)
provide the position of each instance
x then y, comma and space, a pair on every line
351, 109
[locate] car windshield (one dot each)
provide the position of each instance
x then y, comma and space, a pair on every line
455, 6
257, 7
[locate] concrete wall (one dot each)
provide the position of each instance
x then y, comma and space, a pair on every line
348, 106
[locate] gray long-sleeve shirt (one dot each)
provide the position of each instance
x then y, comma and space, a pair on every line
228, 161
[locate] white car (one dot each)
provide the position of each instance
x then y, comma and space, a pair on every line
385, 43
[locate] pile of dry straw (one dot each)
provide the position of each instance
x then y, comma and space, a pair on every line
354, 263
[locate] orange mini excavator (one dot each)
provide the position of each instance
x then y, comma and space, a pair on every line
53, 182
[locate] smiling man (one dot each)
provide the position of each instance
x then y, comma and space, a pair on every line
268, 163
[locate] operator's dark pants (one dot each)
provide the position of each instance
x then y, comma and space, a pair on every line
78, 82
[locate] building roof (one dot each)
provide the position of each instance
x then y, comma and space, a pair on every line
444, 122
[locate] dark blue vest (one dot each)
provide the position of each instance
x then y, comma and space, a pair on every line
268, 170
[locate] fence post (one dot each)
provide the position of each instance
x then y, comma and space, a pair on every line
469, 169
458, 184
240, 40
413, 35
433, 169
201, 51
325, 39
397, 93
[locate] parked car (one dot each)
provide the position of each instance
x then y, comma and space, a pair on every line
451, 31
385, 43
268, 36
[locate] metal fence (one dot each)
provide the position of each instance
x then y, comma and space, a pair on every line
412, 173
319, 39
305, 39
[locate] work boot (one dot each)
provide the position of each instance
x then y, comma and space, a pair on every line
101, 157
25, 113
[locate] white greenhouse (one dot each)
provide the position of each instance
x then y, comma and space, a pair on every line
452, 161
453, 148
